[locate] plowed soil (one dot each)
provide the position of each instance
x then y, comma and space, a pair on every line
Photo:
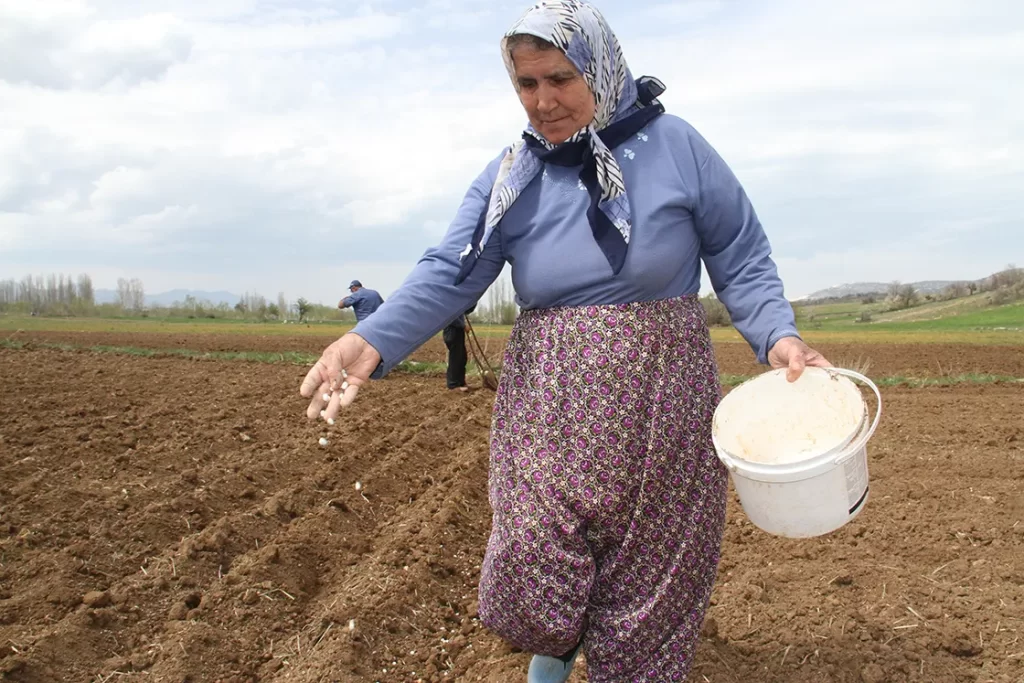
883, 360
173, 520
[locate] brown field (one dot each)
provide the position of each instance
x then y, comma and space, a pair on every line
167, 519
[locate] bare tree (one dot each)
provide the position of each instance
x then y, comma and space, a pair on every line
138, 295
8, 292
131, 296
124, 294
901, 296
1009, 276
253, 304
282, 304
86, 293
906, 296
957, 290
501, 302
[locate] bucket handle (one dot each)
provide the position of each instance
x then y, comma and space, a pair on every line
861, 440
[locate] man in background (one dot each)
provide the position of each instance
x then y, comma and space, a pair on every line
454, 336
361, 300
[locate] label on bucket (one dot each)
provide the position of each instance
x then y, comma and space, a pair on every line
856, 482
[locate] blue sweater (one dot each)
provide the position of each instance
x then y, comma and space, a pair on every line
687, 207
364, 302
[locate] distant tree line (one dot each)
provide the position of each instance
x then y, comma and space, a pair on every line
65, 295
1007, 286
254, 306
1003, 287
57, 294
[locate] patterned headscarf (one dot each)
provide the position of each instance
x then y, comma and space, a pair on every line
581, 32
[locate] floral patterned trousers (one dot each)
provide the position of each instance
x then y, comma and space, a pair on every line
608, 500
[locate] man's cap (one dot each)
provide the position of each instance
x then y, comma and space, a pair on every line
355, 283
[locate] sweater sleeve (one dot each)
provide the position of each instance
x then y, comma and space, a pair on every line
429, 299
737, 255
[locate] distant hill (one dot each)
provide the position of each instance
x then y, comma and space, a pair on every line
109, 296
866, 288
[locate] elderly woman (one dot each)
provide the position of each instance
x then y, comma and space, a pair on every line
608, 500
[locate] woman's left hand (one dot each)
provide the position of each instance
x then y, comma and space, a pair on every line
793, 353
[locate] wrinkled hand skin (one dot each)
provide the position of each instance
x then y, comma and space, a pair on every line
356, 357
792, 353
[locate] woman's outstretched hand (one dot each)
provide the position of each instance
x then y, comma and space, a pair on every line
794, 354
343, 367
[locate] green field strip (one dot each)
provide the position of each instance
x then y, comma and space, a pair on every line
430, 368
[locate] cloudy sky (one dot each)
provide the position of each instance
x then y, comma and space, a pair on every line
291, 145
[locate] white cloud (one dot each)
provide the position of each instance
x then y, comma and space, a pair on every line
298, 37
64, 45
58, 205
128, 51
117, 185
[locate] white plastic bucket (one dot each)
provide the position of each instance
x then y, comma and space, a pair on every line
797, 451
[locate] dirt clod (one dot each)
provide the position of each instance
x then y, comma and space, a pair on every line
961, 646
873, 673
96, 599
179, 612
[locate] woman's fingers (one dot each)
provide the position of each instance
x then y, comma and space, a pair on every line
349, 395
797, 363
819, 361
314, 378
342, 392
317, 402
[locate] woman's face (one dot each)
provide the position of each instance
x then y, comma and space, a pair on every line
555, 95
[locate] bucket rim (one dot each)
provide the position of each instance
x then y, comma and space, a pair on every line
849, 447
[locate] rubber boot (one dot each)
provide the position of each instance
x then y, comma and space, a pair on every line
545, 669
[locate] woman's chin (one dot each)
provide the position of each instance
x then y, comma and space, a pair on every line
556, 137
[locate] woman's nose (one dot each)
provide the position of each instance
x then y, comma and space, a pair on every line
546, 101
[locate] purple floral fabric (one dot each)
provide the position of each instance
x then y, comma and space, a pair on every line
608, 499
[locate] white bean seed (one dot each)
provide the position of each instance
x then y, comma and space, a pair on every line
323, 441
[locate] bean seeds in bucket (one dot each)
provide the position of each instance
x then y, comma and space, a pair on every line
797, 451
